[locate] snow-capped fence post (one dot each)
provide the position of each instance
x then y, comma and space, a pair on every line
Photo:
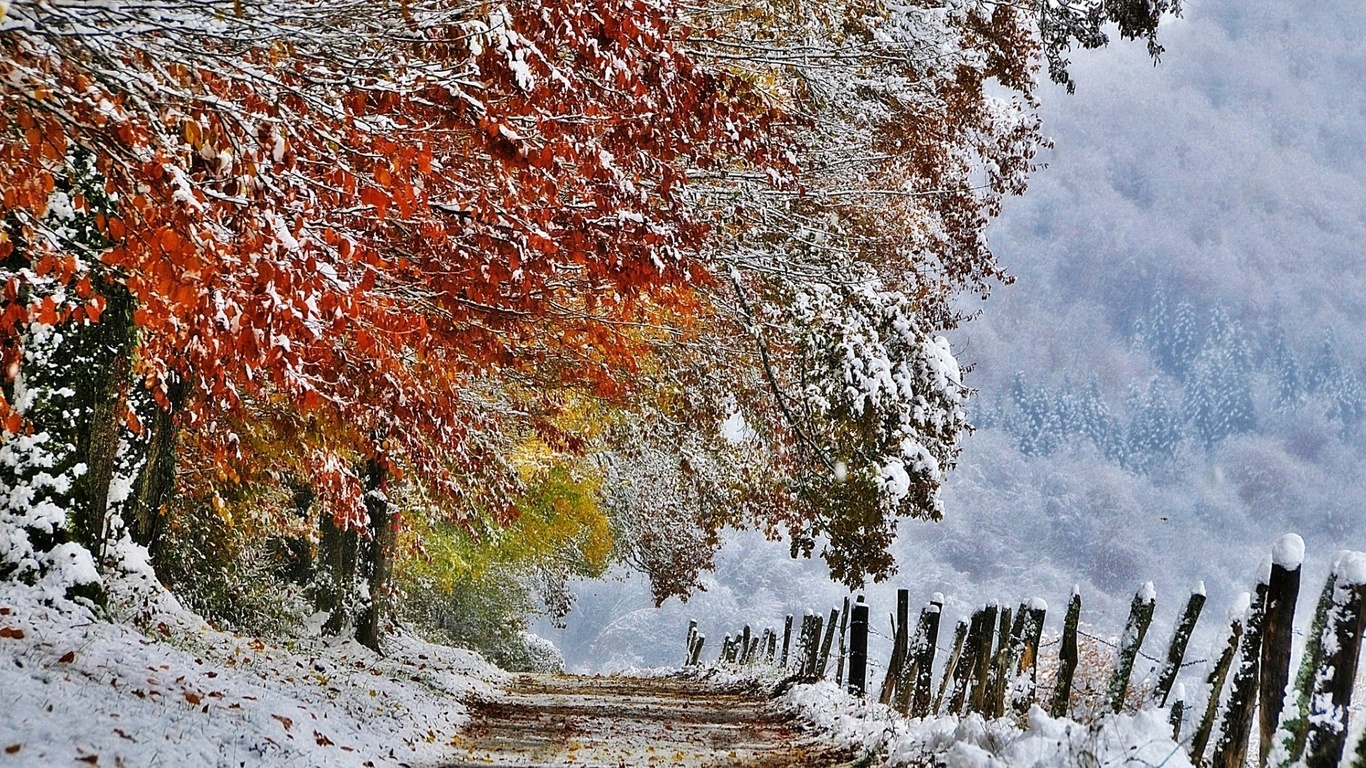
824, 660
1283, 592
744, 645
1024, 691
692, 638
1340, 644
1067, 658
1176, 650
995, 703
1215, 681
1140, 617
981, 671
967, 663
900, 635
858, 647
1230, 751
697, 650
787, 640
927, 637
813, 647
771, 646
804, 645
960, 634
1295, 725
1178, 712
844, 642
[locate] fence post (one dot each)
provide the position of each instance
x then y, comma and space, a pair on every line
697, 649
1215, 680
960, 634
1140, 617
1178, 712
1283, 592
844, 642
692, 638
744, 646
813, 649
899, 632
1340, 643
1176, 651
858, 647
1009, 629
981, 672
1295, 725
1025, 691
1230, 751
967, 663
924, 682
1067, 658
787, 640
824, 660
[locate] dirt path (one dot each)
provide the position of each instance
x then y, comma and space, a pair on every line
606, 722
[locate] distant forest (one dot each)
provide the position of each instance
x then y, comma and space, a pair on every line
1214, 378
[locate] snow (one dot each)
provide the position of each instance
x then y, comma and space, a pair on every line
180, 693
1199, 588
1288, 551
1143, 739
1351, 569
1147, 593
1038, 604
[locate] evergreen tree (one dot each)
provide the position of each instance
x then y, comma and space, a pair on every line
1284, 370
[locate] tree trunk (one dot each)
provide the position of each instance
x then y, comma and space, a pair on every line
378, 553
156, 481
105, 391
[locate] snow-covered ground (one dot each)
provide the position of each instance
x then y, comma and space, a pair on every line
77, 688
1143, 739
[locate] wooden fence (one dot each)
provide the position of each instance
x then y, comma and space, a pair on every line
993, 659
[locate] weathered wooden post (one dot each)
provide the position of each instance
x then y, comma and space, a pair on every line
697, 650
981, 671
1295, 724
1140, 617
900, 634
692, 638
967, 662
1176, 650
772, 651
1067, 658
744, 645
1215, 681
994, 705
927, 641
1230, 751
844, 642
813, 649
1340, 645
960, 634
1283, 592
1178, 712
824, 660
858, 647
787, 640
1024, 690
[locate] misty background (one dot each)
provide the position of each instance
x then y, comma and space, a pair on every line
1175, 378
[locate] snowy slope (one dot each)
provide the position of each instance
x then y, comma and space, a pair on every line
73, 687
